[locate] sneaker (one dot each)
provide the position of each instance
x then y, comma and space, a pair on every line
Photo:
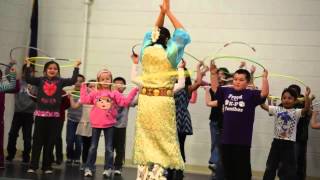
212, 167
31, 171
48, 171
107, 173
77, 162
87, 173
117, 172
69, 161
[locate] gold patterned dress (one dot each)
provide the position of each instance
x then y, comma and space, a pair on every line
156, 139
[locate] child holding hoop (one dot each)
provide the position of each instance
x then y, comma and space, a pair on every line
47, 113
238, 104
103, 118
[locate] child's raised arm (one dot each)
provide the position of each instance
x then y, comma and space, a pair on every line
73, 79
12, 81
314, 123
200, 74
214, 76
307, 102
125, 101
265, 84
85, 97
29, 79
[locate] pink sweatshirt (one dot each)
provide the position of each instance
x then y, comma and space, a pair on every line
103, 113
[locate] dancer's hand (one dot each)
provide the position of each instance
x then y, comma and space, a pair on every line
165, 7
135, 58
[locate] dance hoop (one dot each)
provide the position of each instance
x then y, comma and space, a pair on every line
112, 84
133, 49
193, 57
25, 48
39, 58
72, 93
237, 58
236, 42
6, 66
35, 97
253, 49
285, 76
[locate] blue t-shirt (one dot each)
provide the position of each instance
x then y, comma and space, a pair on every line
238, 114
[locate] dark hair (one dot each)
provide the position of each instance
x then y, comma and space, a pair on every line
224, 70
296, 88
163, 37
244, 72
188, 81
48, 64
120, 79
91, 80
291, 91
82, 76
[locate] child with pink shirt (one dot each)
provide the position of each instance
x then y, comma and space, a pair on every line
103, 118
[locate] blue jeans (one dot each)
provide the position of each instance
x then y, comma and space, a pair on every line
215, 157
73, 141
108, 156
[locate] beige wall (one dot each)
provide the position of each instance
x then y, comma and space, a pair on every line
285, 33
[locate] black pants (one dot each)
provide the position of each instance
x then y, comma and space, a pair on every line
86, 142
58, 143
44, 136
236, 161
301, 157
24, 121
182, 138
281, 152
174, 174
119, 146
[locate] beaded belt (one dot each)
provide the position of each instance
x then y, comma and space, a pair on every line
156, 91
